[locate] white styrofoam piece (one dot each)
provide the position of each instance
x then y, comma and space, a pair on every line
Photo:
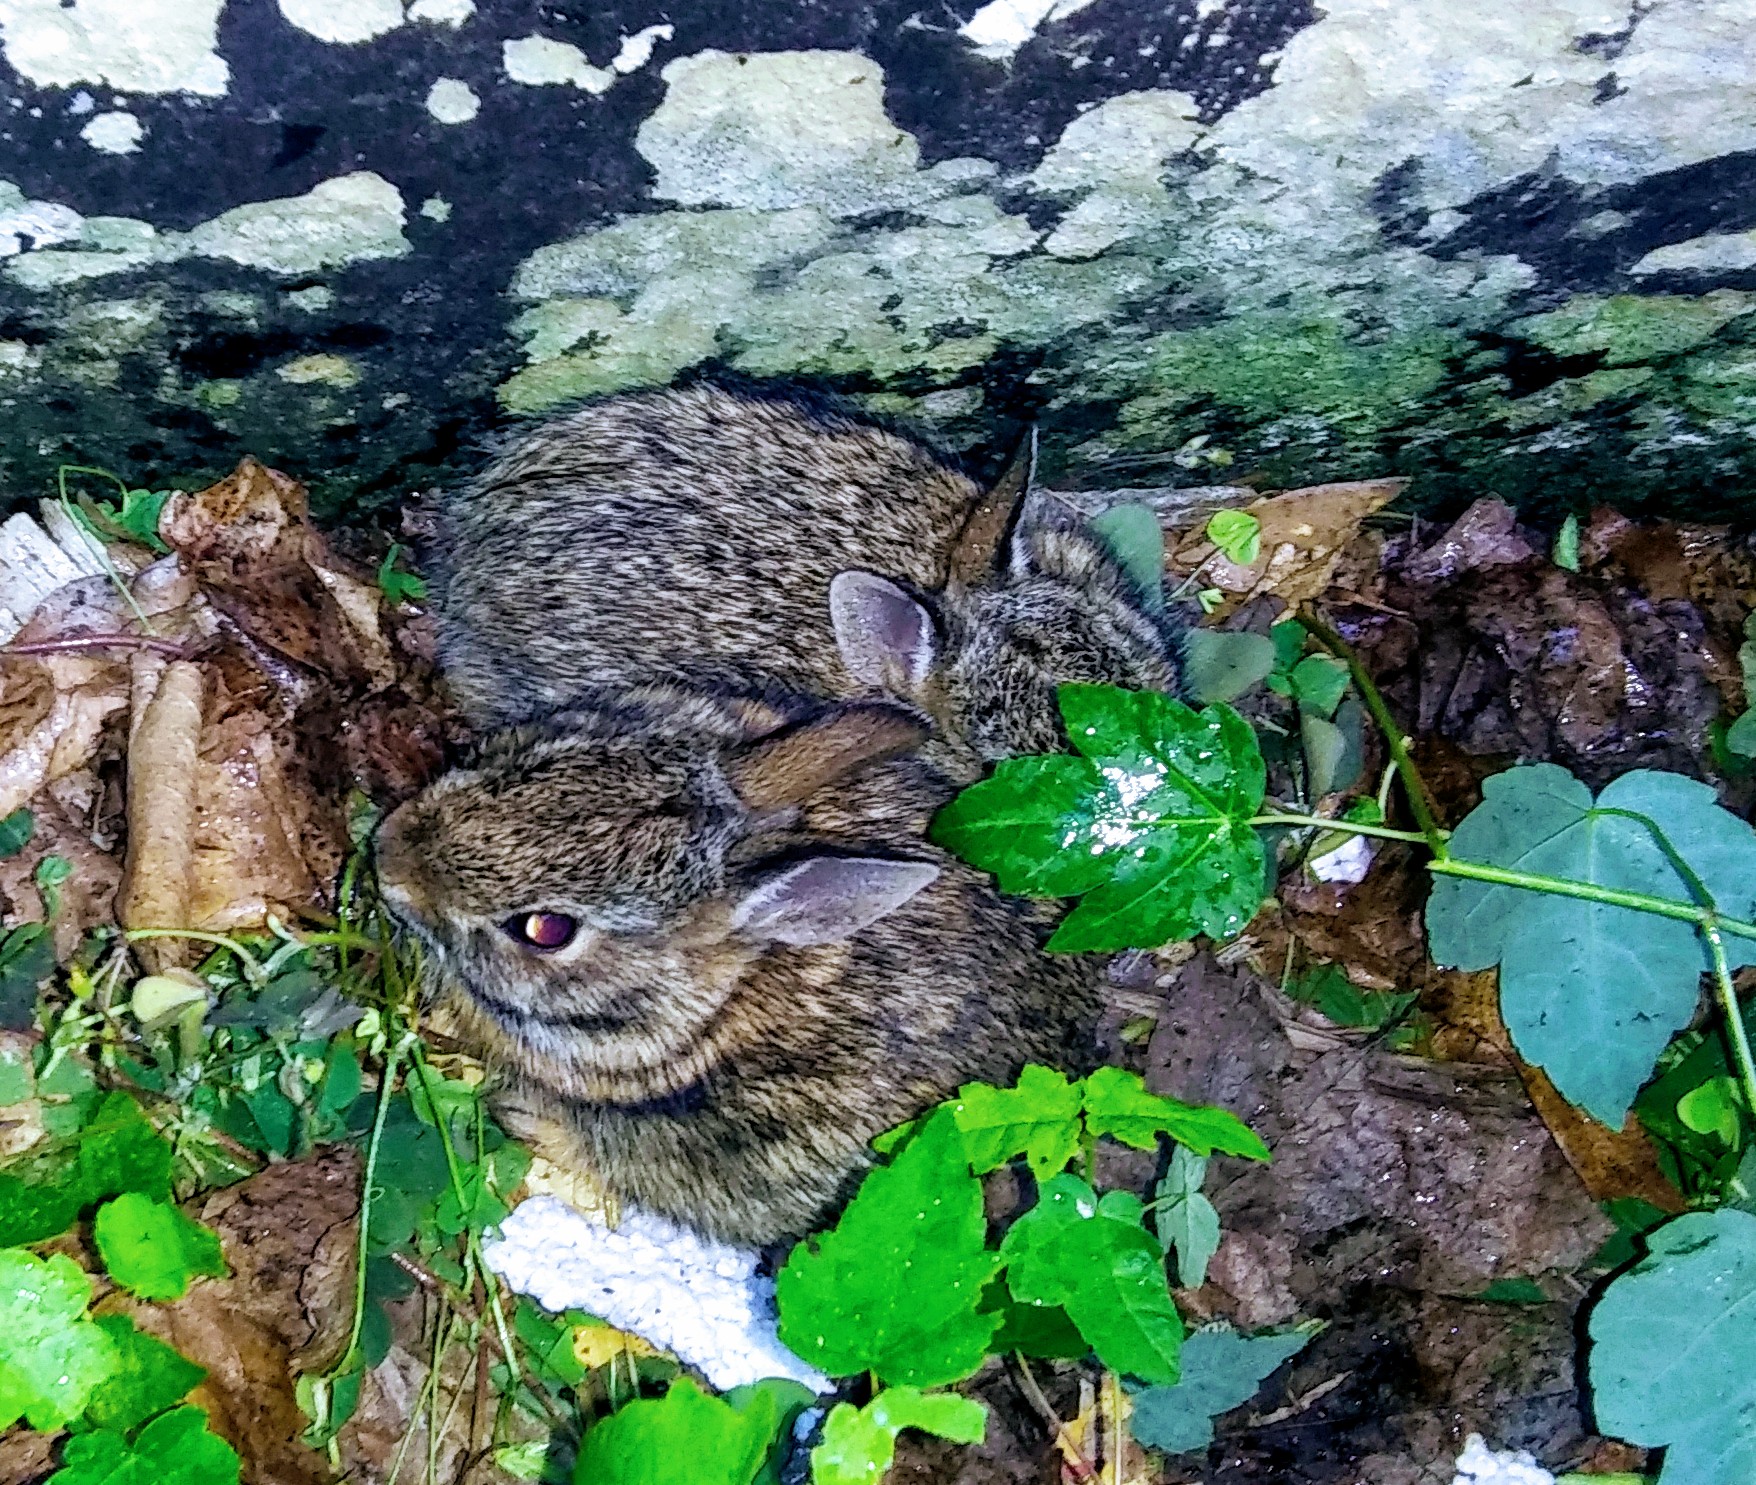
702, 1301
1480, 1465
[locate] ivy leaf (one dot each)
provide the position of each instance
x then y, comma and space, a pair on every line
1186, 1219
1237, 534
1590, 992
895, 1287
175, 1449
1222, 1370
1117, 1104
41, 1196
1096, 1260
151, 1249
149, 1377
683, 1438
859, 1444
15, 832
1673, 1358
51, 1356
1038, 1119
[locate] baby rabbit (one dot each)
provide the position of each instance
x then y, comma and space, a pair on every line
712, 978
748, 542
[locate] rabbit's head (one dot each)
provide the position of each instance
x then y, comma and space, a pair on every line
1035, 598
597, 885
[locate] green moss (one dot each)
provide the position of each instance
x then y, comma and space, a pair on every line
1634, 329
1721, 383
1567, 399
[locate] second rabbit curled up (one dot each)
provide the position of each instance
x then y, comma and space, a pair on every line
737, 649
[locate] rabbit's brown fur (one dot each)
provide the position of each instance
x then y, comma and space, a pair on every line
704, 1070
695, 536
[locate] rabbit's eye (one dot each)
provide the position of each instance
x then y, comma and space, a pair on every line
543, 930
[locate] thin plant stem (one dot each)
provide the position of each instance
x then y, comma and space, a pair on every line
253, 969
387, 1085
77, 517
1412, 783
1383, 831
74, 644
1728, 1000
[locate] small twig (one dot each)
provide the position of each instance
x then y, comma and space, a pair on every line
74, 644
1070, 1455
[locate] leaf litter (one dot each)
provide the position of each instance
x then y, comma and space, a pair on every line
199, 780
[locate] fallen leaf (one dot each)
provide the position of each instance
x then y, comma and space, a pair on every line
598, 1345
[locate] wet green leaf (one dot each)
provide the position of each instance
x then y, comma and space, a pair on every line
895, 1287
1117, 1104
175, 1449
51, 1356
1095, 1259
683, 1438
1038, 1119
859, 1444
149, 1377
1592, 992
42, 1195
151, 1249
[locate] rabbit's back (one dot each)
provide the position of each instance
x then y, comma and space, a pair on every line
686, 536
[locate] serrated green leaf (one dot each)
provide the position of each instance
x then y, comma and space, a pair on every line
683, 1438
1221, 664
1185, 1218
1117, 1104
1095, 1259
149, 1377
1590, 992
175, 1449
895, 1287
859, 1444
1237, 534
151, 1249
1016, 824
15, 832
42, 1195
1222, 1370
51, 1356
1673, 1357
1038, 1119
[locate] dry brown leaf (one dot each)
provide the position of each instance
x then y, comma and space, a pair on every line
1304, 533
161, 809
87, 896
1610, 1162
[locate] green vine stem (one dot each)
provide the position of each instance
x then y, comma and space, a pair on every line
1728, 1000
1350, 827
1412, 784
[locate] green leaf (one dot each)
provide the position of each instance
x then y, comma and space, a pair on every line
1034, 1330
859, 1444
1519, 1291
1117, 1104
895, 1287
1318, 682
175, 1449
1222, 1370
1325, 748
1566, 552
1329, 990
15, 832
1741, 735
149, 1377
51, 1356
1038, 1119
1673, 1358
1097, 1261
683, 1438
50, 876
1592, 993
1221, 664
1713, 1108
1137, 541
1289, 638
151, 1249
1634, 1218
1237, 534
27, 958
399, 587
42, 1195
1154, 828
788, 1399
1185, 1218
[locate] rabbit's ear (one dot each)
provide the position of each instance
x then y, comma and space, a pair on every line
886, 638
788, 769
829, 898
975, 556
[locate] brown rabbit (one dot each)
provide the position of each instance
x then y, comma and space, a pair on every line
712, 978
748, 543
